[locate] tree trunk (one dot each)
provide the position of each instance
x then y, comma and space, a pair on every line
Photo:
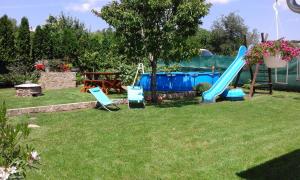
153, 78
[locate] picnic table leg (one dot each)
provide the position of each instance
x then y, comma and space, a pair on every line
105, 90
84, 88
104, 87
119, 87
116, 85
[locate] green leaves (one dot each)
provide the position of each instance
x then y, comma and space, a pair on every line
62, 37
153, 29
23, 45
12, 153
227, 34
7, 42
10, 137
157, 27
3, 118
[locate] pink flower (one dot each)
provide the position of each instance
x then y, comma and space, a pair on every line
271, 48
266, 54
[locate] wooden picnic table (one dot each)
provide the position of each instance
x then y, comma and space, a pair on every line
105, 80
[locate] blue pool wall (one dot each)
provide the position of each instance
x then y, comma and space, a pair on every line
178, 81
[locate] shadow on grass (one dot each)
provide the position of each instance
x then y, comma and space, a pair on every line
279, 96
283, 167
297, 98
107, 108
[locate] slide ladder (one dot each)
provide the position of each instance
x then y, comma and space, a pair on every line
227, 77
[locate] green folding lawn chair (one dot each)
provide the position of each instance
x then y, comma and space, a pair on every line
102, 99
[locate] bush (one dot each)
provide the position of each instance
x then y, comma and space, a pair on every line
171, 68
14, 78
14, 157
127, 73
79, 79
202, 87
89, 61
55, 65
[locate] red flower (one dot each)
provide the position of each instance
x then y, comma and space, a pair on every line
39, 67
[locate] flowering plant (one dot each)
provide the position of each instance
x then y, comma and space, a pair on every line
66, 67
15, 157
285, 49
40, 67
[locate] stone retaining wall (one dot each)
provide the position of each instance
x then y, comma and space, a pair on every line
51, 108
179, 95
58, 107
173, 96
87, 105
57, 80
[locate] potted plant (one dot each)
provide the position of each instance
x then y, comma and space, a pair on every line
274, 54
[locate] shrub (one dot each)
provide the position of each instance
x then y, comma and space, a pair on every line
55, 65
246, 86
202, 87
89, 61
171, 68
14, 157
34, 76
14, 78
127, 73
79, 79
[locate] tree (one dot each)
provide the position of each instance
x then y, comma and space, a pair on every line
155, 29
253, 37
66, 38
7, 43
101, 53
201, 40
38, 44
23, 45
70, 44
227, 34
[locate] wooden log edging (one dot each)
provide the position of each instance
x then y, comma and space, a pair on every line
57, 108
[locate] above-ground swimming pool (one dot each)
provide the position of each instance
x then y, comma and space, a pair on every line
178, 81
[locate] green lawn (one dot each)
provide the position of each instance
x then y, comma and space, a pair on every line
49, 97
182, 140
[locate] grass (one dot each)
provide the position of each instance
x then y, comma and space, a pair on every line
179, 140
49, 97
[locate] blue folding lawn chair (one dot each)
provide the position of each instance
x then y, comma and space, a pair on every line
135, 97
103, 100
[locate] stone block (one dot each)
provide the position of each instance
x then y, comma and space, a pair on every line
57, 80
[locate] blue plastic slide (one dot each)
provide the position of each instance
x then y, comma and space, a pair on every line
227, 77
